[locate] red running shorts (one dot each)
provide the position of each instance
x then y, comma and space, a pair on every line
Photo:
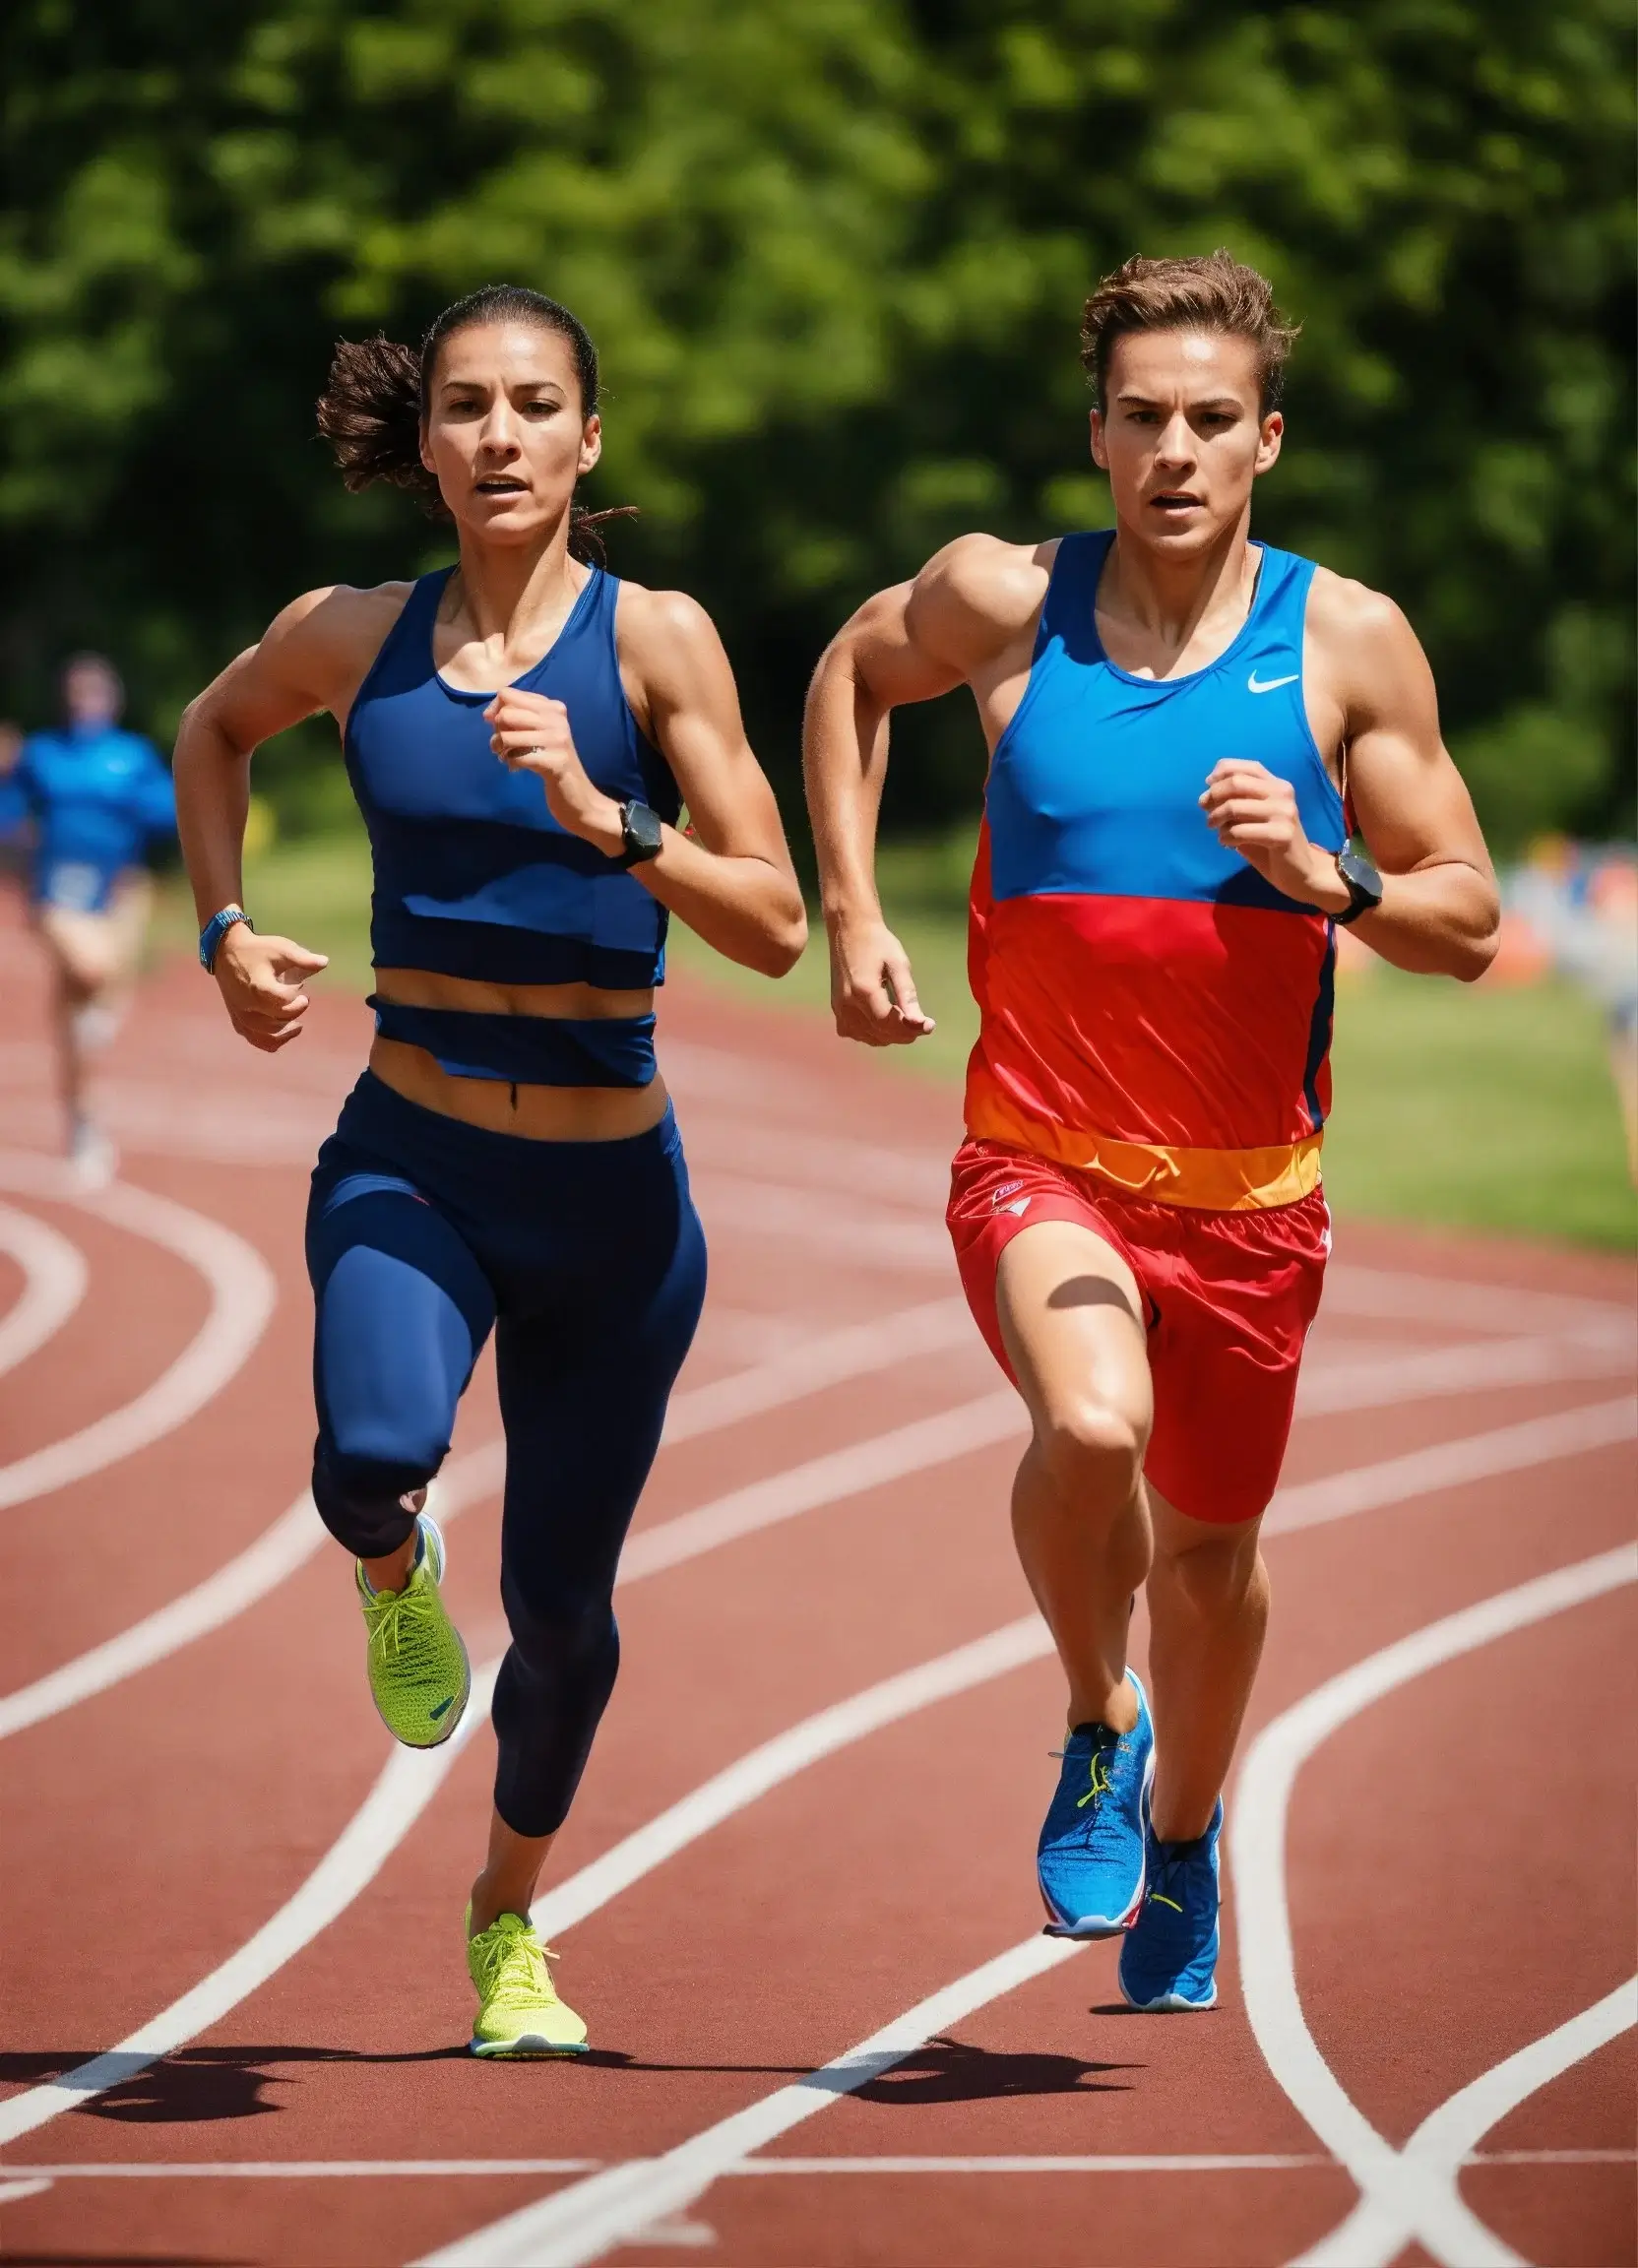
1228, 1298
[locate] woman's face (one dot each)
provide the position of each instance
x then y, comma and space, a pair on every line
504, 434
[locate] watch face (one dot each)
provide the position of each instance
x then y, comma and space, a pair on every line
643, 831
1359, 874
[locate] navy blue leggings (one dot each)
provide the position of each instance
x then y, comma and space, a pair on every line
588, 1261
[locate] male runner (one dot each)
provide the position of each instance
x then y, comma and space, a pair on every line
1178, 719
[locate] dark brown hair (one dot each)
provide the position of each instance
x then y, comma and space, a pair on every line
375, 403
1217, 293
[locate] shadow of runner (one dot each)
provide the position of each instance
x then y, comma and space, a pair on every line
951, 2071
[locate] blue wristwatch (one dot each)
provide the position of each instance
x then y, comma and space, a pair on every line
215, 930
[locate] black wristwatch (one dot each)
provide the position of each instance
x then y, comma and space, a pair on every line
644, 832
1363, 882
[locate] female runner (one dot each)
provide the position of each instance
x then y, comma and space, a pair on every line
510, 1158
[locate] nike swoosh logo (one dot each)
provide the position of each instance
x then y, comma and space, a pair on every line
442, 1707
1254, 684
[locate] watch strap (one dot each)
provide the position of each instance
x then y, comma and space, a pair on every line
215, 930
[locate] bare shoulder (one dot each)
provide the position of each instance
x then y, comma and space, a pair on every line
665, 637
338, 618
1354, 625
980, 591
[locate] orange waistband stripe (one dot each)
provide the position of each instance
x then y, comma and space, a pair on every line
1211, 1180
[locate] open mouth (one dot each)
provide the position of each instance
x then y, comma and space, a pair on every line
1175, 500
501, 484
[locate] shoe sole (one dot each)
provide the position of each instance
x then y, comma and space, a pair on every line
1091, 1928
458, 1708
1169, 2003
523, 2050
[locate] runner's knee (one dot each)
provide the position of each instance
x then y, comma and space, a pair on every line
1212, 1577
1092, 1451
365, 1501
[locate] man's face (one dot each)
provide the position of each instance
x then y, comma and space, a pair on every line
1184, 436
90, 694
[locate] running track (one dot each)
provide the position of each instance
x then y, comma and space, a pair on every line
795, 1897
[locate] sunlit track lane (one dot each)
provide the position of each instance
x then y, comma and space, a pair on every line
781, 1936
95, 1555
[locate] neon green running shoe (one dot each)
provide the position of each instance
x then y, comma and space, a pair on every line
418, 1670
518, 2013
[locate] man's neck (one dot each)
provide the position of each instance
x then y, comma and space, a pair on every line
1166, 601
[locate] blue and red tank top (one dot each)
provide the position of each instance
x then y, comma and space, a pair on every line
1151, 1010
474, 876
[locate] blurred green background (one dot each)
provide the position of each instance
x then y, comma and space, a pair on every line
834, 252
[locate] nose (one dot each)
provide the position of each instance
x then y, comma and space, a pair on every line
1177, 442
500, 429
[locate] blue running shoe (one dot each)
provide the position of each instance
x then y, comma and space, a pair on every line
1170, 1958
1090, 1860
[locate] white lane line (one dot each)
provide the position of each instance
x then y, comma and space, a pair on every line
53, 1284
1452, 1464
780, 1759
1480, 1366
1376, 2230
243, 1294
861, 1236
1425, 2198
490, 2169
591, 2217
924, 1443
1393, 1296
826, 1360
408, 1784
665, 1546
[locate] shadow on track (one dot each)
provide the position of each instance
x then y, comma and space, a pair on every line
950, 2071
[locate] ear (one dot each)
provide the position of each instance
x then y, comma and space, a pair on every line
426, 450
1269, 437
1099, 441
591, 442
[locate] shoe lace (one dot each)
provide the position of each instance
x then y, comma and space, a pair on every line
512, 1966
402, 1627
1168, 1871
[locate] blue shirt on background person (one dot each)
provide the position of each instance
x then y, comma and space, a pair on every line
97, 795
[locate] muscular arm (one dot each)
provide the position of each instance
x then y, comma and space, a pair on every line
311, 657
911, 643
730, 879
1440, 910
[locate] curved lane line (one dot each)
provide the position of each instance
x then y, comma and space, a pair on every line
1374, 2232
408, 1784
243, 1294
297, 1532
54, 1283
589, 2218
1452, 1464
1426, 2199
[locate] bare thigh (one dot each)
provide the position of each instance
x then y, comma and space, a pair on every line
1071, 1319
94, 951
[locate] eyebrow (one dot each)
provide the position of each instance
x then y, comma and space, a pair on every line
478, 385
1210, 402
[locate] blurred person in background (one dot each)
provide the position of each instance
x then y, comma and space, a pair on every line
98, 798
510, 1159
1187, 729
1578, 901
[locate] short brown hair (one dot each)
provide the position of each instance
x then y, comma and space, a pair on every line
1217, 293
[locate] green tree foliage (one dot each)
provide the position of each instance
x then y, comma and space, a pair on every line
833, 252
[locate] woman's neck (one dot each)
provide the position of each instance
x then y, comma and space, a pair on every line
502, 592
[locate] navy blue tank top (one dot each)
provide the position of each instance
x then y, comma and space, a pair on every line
474, 876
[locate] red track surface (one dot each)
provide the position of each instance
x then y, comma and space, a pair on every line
1458, 1856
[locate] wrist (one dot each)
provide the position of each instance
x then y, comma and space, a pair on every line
842, 914
1324, 886
604, 827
